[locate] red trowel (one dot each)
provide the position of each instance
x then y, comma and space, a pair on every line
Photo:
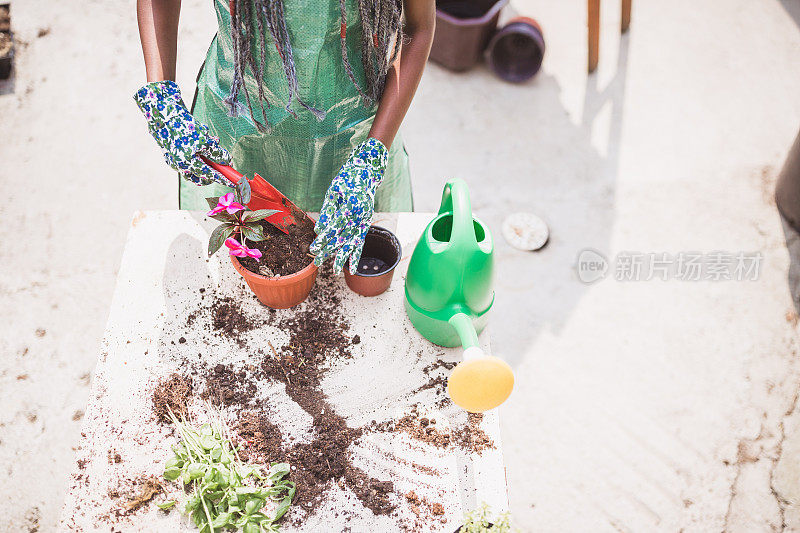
264, 196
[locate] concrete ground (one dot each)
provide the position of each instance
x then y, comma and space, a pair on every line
640, 406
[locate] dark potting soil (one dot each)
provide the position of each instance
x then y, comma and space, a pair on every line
471, 437
172, 393
318, 335
263, 440
438, 382
227, 387
227, 318
282, 254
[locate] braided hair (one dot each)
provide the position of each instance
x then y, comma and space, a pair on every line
380, 43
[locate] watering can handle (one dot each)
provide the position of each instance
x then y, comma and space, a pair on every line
455, 198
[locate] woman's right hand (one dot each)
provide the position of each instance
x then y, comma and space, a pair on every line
179, 135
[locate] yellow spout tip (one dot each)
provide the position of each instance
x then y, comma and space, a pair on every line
480, 384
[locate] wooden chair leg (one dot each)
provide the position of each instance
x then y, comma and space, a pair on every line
626, 16
593, 33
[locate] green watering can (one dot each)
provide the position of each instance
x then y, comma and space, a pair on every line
449, 294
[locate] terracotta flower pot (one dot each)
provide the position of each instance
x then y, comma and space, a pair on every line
279, 292
380, 256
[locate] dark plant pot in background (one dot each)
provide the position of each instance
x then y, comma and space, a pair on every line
787, 191
380, 256
463, 29
7, 60
6, 42
515, 52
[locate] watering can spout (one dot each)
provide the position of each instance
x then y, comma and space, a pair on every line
480, 382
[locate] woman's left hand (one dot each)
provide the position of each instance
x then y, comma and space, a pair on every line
348, 207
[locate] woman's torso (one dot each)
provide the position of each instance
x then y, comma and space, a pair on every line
300, 154
314, 30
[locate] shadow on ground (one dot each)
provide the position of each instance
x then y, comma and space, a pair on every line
576, 200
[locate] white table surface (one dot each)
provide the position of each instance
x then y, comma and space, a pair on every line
163, 267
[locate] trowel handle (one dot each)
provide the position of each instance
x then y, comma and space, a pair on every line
455, 199
229, 172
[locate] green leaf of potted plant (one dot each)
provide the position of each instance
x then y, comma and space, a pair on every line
241, 226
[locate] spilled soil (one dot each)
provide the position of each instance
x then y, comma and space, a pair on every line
147, 489
172, 393
469, 438
227, 387
438, 381
423, 508
228, 320
319, 336
282, 254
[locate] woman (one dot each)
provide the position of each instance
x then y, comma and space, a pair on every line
308, 93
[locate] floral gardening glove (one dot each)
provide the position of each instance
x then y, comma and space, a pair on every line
348, 207
180, 136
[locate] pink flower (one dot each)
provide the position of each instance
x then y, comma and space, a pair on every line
226, 203
240, 250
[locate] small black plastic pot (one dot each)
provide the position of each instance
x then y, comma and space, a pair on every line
379, 257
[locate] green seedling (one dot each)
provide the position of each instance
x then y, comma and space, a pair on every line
225, 493
479, 521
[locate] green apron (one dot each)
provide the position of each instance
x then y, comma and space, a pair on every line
300, 156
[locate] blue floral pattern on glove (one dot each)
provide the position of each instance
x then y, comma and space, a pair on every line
348, 207
179, 135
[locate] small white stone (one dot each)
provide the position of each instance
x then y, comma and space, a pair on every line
525, 231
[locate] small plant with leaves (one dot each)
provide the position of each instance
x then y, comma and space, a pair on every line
236, 220
226, 493
479, 521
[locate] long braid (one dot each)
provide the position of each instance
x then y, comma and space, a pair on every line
347, 67
381, 37
276, 22
392, 37
236, 84
367, 12
258, 68
246, 58
396, 35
